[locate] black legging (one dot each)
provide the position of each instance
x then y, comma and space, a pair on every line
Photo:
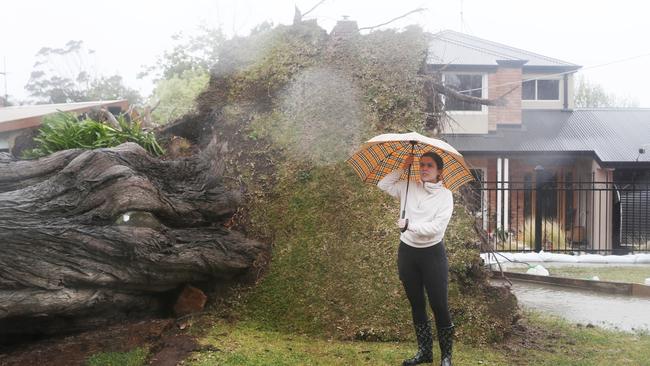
425, 268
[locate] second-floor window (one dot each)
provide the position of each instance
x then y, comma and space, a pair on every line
541, 89
467, 84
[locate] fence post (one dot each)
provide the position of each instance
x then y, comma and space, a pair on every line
539, 172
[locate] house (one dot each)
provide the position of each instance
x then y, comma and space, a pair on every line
19, 124
582, 173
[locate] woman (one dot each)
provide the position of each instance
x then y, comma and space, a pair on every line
421, 257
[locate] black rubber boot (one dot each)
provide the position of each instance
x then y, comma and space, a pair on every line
446, 340
425, 345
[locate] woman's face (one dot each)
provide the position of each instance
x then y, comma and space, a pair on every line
428, 170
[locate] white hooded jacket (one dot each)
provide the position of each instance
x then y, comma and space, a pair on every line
429, 209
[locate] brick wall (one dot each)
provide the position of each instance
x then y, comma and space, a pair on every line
509, 73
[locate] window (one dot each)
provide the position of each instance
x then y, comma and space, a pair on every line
467, 84
540, 90
528, 90
548, 89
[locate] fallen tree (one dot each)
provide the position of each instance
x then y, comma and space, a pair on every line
89, 236
293, 103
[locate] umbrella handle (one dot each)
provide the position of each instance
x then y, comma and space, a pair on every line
405, 226
406, 196
408, 179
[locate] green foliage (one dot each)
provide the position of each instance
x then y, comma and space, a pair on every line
62, 131
136, 357
177, 94
110, 88
326, 97
268, 61
388, 65
194, 53
553, 236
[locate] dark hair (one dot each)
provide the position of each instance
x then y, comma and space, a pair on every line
435, 158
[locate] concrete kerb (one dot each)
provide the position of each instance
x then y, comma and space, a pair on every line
617, 288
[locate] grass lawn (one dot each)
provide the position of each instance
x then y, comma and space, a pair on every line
629, 274
539, 341
135, 357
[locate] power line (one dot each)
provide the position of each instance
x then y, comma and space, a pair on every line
462, 22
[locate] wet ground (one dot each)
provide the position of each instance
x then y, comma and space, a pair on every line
585, 307
168, 346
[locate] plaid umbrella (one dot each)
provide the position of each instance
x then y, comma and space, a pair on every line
384, 153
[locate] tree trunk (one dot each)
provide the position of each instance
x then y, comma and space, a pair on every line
83, 232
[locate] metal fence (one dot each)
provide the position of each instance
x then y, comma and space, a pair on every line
572, 216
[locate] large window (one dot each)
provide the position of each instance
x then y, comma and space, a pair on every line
466, 84
540, 90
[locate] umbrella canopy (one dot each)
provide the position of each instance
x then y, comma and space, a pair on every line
384, 153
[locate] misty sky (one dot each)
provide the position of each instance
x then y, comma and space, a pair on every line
129, 34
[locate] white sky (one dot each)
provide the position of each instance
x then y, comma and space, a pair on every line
129, 34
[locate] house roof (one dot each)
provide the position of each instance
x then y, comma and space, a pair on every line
18, 117
614, 136
455, 48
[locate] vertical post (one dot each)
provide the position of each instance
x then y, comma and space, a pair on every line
593, 211
539, 181
506, 195
499, 194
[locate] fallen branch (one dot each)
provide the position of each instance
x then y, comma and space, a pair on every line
394, 19
310, 10
449, 92
110, 118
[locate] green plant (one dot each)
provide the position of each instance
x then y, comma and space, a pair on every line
63, 131
501, 234
553, 235
177, 95
136, 357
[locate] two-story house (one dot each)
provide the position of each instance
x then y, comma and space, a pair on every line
591, 161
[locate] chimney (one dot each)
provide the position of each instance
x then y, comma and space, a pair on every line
507, 77
345, 28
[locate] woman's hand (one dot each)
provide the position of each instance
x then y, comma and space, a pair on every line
403, 224
407, 162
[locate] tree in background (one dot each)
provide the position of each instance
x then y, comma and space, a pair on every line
176, 95
64, 75
592, 95
5, 102
181, 73
197, 52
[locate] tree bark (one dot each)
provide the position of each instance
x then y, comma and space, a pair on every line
68, 250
